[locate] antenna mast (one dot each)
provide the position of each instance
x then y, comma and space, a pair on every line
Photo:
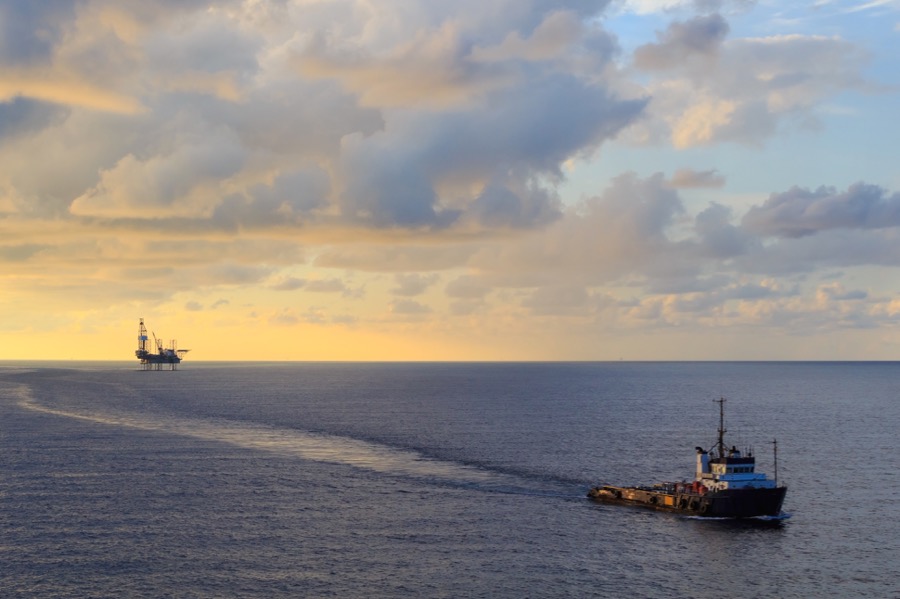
721, 443
775, 453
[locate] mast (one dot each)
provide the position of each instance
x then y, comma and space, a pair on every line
775, 453
721, 443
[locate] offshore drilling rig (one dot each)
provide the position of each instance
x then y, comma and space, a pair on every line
170, 355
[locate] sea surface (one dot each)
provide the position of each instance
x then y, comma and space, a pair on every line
438, 480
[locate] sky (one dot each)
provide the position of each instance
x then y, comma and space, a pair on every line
467, 180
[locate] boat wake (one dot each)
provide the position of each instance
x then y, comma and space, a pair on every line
779, 518
318, 447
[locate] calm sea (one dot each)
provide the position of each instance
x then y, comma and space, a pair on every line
437, 480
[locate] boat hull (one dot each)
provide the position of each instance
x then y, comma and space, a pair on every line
736, 503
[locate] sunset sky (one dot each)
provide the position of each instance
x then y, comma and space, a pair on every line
465, 180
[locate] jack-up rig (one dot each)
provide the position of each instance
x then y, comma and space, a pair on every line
170, 355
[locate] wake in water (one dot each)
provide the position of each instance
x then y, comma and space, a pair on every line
318, 447
762, 519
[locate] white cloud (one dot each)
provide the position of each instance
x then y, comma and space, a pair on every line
707, 89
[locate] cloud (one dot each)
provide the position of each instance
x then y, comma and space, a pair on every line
409, 308
239, 117
467, 287
394, 177
707, 89
646, 7
62, 88
213, 54
799, 212
211, 150
411, 285
551, 40
427, 70
397, 258
837, 292
292, 198
620, 234
21, 117
163, 184
686, 178
28, 30
557, 300
718, 237
683, 40
289, 284
20, 252
325, 286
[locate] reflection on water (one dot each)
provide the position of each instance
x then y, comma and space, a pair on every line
308, 446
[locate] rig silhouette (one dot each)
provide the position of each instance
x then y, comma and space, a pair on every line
170, 355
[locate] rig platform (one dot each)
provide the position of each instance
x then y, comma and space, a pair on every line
170, 356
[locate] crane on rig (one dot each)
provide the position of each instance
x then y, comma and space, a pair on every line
149, 361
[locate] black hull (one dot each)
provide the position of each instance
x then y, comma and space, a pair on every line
737, 503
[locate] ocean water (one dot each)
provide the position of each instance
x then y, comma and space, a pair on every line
437, 480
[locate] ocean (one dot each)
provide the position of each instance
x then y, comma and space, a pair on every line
437, 480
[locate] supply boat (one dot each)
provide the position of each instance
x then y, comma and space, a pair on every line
726, 485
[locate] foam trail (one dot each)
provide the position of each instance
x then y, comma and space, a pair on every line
291, 442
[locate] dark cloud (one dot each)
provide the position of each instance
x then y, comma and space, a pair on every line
22, 116
838, 293
799, 212
29, 30
514, 205
522, 133
291, 198
718, 238
837, 248
700, 36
